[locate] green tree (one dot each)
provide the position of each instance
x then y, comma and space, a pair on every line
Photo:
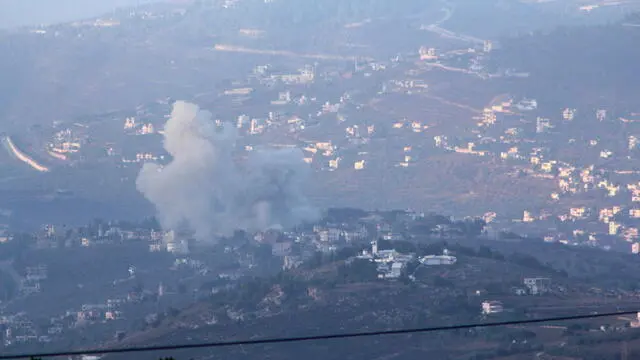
443, 282
182, 288
357, 271
8, 288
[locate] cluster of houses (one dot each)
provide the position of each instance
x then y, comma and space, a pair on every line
616, 217
531, 286
391, 264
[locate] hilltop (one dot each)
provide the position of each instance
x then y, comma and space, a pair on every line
338, 293
581, 66
353, 270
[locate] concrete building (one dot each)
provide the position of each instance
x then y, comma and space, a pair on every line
281, 249
542, 124
444, 259
492, 307
568, 114
176, 243
537, 286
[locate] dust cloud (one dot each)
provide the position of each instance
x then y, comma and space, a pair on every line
205, 190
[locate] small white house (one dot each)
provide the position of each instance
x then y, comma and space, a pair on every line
492, 307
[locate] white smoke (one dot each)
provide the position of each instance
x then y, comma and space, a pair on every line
204, 190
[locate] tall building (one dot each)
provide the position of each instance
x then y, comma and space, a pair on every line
613, 228
242, 120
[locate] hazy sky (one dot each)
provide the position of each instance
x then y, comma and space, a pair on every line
32, 12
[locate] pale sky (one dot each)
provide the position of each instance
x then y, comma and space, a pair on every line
33, 12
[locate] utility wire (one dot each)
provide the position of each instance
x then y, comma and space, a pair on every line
312, 337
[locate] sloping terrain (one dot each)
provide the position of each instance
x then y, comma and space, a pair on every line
584, 66
335, 297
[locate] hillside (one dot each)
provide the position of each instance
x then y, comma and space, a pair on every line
73, 71
333, 295
584, 65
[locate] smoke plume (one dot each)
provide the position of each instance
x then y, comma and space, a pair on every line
204, 190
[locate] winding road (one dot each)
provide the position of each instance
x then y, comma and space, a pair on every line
449, 10
13, 150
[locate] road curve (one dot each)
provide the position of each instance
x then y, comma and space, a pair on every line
13, 149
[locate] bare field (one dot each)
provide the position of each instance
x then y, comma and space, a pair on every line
449, 183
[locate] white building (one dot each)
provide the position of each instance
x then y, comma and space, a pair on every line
568, 114
91, 357
330, 235
385, 255
444, 259
492, 307
632, 142
487, 46
389, 263
175, 245
179, 247
391, 272
542, 124
537, 285
396, 270
527, 105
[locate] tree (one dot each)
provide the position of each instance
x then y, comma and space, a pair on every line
471, 228
497, 288
527, 261
485, 252
16, 247
150, 223
8, 288
443, 282
345, 214
345, 253
239, 236
357, 271
182, 288
138, 287
318, 259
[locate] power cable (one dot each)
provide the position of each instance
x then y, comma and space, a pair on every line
311, 337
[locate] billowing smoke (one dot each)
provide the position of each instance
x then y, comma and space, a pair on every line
204, 190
